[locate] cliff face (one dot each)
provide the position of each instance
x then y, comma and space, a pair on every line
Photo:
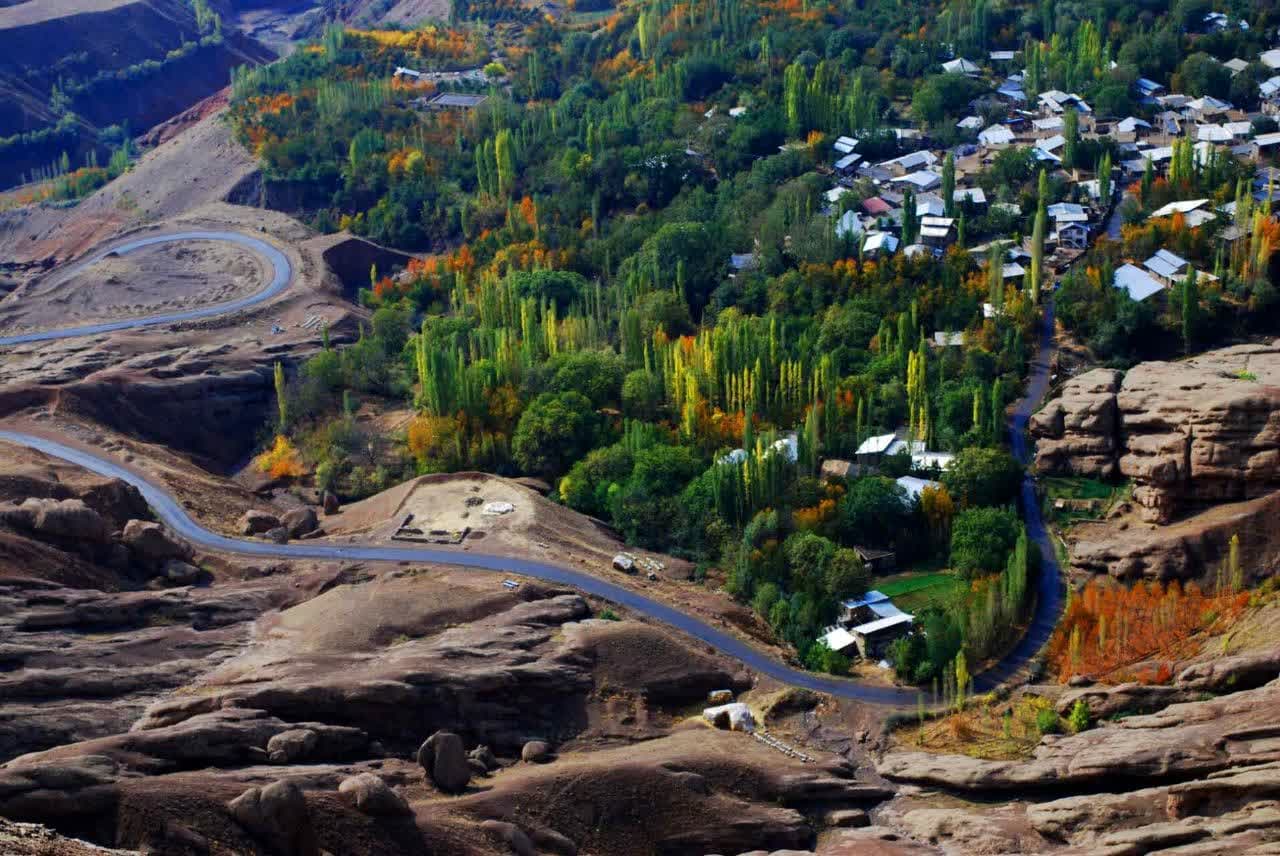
1188, 434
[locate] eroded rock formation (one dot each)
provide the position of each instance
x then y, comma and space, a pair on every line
1206, 430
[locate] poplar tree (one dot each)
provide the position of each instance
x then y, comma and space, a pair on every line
1071, 135
1190, 309
282, 398
949, 184
1104, 179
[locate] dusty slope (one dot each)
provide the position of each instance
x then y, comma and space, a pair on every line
198, 166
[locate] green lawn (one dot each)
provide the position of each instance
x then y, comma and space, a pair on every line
915, 590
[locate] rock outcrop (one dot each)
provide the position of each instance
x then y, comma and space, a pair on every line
1206, 430
1079, 432
1182, 741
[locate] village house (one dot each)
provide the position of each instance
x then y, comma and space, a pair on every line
1265, 145
1071, 236
961, 65
970, 197
995, 135
1206, 109
847, 166
910, 162
1139, 284
1167, 266
868, 625
1131, 129
877, 244
937, 232
920, 181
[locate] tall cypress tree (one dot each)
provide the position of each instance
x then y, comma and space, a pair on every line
1190, 309
949, 184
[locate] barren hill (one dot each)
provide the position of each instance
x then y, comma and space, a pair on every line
71, 68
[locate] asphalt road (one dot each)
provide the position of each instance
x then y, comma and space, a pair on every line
282, 274
171, 512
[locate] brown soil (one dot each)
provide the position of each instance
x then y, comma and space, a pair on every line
151, 280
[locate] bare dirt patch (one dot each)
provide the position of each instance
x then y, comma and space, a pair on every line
147, 281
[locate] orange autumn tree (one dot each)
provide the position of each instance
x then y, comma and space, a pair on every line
281, 460
1109, 629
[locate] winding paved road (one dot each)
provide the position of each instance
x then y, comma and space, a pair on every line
171, 512
282, 274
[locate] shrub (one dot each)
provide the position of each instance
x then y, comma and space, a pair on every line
1078, 720
1047, 721
281, 460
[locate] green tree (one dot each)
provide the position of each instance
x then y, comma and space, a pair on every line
505, 158
874, 513
1190, 310
591, 480
847, 576
981, 540
1071, 135
282, 399
949, 184
980, 476
554, 430
641, 394
1079, 718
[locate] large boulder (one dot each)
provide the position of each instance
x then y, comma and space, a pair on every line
66, 518
300, 521
254, 522
179, 573
277, 816
444, 759
370, 794
292, 745
536, 752
152, 543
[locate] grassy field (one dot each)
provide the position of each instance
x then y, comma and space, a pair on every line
914, 590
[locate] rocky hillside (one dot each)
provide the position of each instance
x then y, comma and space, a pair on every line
1199, 439
1195, 777
71, 69
170, 702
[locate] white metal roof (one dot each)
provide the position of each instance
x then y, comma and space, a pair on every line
995, 135
882, 624
1165, 263
876, 445
877, 241
1137, 282
1184, 206
837, 639
915, 486
960, 66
